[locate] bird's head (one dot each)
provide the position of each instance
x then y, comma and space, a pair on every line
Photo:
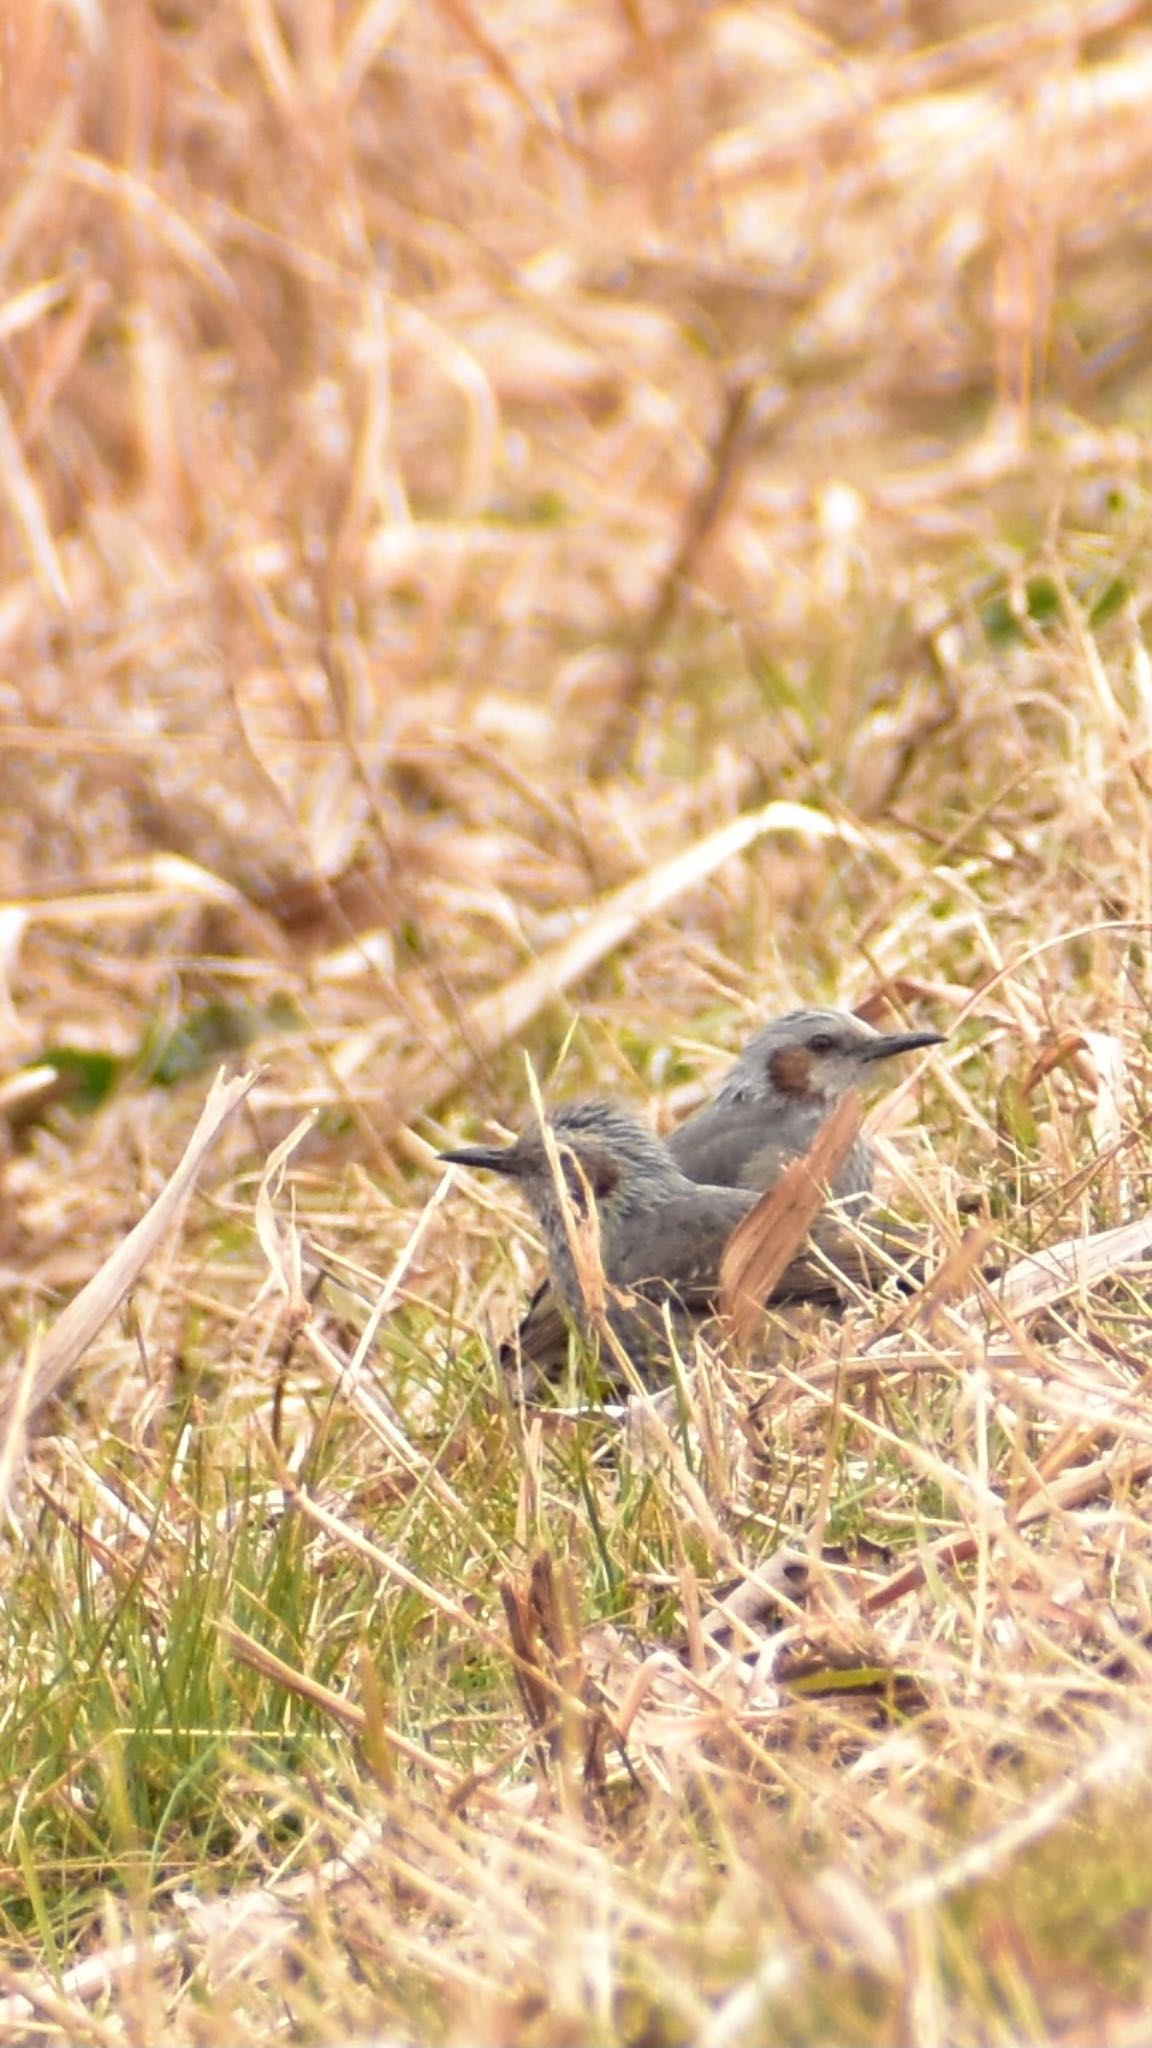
814, 1057
601, 1147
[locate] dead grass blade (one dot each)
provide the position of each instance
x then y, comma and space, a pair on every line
961, 1262
491, 1022
1043, 1277
551, 1675
83, 1319
136, 198
345, 1712
477, 37
771, 1234
27, 507
1059, 1496
268, 1665
725, 465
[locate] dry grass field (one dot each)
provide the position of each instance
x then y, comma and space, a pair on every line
536, 533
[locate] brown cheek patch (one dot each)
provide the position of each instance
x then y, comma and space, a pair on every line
790, 1071
593, 1170
603, 1175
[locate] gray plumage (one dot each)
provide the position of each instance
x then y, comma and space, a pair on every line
666, 1211
662, 1236
774, 1098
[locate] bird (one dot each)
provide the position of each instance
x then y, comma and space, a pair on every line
772, 1101
766, 1112
661, 1235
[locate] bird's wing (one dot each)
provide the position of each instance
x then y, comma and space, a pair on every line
679, 1242
539, 1348
849, 1262
714, 1146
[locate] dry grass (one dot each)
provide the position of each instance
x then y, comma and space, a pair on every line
566, 530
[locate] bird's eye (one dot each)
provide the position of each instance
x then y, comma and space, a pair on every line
822, 1042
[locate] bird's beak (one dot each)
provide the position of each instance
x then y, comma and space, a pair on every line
488, 1158
887, 1047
